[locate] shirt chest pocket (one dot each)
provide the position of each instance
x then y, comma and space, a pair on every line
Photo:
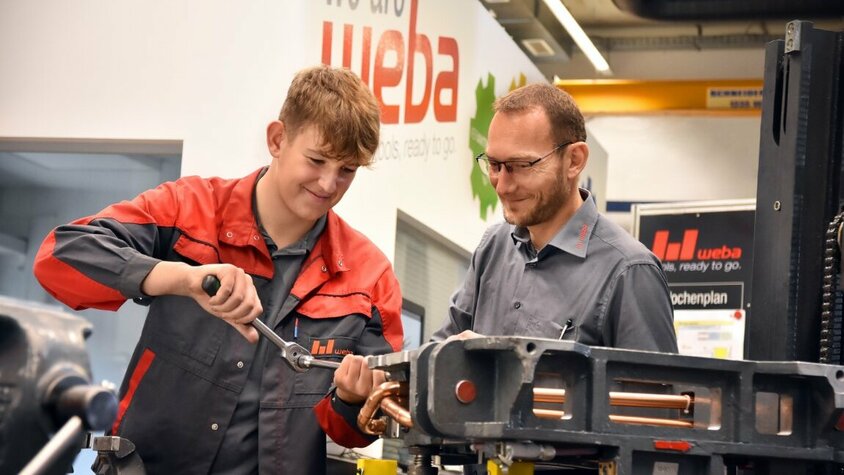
328, 339
531, 326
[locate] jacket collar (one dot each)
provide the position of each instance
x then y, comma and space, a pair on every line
239, 226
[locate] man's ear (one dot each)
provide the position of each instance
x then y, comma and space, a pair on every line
276, 135
579, 153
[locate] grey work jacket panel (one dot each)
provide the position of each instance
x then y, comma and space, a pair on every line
593, 283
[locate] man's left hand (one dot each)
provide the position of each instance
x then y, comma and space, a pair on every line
354, 379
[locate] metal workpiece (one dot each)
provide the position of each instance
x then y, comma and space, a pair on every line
626, 408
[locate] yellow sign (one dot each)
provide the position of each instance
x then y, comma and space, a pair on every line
733, 97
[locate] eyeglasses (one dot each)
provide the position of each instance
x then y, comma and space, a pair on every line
493, 167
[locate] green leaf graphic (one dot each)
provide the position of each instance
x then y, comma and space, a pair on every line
478, 128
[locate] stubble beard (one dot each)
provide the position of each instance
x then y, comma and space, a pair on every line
549, 204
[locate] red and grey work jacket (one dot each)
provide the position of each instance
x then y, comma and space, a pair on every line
188, 369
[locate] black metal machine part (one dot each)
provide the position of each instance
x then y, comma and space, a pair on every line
798, 196
47, 401
775, 417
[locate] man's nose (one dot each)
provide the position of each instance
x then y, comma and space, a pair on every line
503, 181
328, 181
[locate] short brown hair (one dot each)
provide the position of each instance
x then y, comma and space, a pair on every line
340, 106
567, 124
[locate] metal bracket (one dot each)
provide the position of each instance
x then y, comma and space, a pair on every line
792, 37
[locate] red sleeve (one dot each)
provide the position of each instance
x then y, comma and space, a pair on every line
99, 261
339, 421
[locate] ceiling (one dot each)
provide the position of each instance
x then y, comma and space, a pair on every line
642, 25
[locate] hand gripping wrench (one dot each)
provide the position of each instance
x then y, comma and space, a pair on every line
294, 354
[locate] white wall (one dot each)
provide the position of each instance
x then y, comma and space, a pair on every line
671, 158
212, 74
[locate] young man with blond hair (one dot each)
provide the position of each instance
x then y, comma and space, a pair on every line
198, 397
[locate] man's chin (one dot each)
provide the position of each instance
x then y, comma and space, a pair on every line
510, 218
311, 213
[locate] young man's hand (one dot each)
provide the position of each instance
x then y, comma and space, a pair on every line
354, 379
236, 301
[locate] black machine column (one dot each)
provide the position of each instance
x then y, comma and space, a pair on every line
798, 195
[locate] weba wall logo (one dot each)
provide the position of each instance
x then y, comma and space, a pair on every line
686, 249
439, 91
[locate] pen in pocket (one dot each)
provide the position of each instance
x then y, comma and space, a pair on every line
296, 328
568, 326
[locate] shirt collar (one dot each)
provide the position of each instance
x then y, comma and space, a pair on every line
573, 237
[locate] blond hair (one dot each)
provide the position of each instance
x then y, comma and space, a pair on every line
340, 106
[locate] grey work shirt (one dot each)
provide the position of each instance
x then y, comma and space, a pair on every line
238, 453
593, 283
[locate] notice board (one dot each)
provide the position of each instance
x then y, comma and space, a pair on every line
706, 250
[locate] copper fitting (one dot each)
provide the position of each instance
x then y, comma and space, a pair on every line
389, 389
395, 409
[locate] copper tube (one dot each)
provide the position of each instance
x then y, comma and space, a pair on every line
664, 401
366, 418
549, 395
548, 413
653, 421
394, 408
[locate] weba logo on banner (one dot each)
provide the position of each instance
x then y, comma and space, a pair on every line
687, 250
385, 77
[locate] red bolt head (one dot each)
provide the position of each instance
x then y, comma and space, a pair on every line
465, 391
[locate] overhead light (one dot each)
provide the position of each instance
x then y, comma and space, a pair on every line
578, 35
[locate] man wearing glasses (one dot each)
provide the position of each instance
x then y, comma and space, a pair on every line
556, 268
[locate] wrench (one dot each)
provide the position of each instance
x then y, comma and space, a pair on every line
294, 354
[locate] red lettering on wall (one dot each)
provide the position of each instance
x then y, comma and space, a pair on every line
447, 81
385, 76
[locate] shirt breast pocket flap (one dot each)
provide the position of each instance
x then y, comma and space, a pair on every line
195, 251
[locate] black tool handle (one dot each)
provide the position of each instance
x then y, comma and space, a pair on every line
210, 284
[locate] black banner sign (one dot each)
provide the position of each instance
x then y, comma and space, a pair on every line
707, 256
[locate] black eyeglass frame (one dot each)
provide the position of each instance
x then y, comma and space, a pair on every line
510, 165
